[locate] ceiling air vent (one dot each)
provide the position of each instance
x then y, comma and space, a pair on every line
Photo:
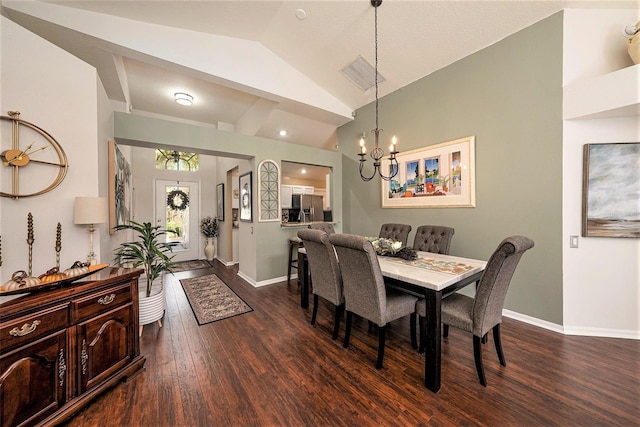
361, 73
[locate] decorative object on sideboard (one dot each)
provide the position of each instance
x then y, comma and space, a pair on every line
52, 275
632, 32
90, 211
30, 241
20, 280
27, 166
377, 153
58, 244
77, 269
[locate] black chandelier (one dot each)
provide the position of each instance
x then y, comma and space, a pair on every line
378, 153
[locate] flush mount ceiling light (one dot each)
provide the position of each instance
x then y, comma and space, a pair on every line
183, 98
377, 153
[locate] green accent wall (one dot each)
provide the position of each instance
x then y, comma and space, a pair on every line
509, 95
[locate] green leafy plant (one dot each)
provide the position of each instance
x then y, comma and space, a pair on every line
147, 252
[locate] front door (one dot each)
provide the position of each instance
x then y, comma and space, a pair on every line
177, 212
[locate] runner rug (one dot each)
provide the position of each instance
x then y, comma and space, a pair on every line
194, 264
212, 300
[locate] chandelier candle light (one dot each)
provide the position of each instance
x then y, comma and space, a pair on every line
378, 153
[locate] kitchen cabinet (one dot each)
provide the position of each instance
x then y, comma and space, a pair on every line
303, 189
60, 348
286, 191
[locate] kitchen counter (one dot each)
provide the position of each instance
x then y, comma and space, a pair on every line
302, 224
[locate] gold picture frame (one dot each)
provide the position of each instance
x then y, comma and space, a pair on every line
436, 176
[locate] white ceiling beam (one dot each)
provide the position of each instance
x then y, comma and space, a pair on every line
227, 61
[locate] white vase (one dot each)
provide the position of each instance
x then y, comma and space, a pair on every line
209, 249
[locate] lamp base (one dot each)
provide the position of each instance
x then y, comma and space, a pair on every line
91, 259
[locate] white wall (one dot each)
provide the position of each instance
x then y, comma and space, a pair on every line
601, 278
57, 92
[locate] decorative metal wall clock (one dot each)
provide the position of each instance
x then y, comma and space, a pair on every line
37, 168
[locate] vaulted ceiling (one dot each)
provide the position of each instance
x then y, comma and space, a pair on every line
257, 67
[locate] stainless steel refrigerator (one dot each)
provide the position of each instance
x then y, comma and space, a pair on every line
310, 205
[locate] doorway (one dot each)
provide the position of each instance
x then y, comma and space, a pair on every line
177, 211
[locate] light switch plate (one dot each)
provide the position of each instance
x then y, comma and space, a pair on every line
573, 242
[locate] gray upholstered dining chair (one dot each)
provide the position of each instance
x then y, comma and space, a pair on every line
398, 232
484, 312
327, 227
365, 293
325, 271
435, 239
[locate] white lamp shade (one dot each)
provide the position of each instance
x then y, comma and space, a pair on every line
90, 210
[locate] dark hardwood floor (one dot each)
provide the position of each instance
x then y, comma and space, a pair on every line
270, 367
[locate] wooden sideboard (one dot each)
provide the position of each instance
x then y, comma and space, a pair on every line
61, 348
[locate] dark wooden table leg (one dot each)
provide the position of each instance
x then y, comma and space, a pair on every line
432, 355
303, 276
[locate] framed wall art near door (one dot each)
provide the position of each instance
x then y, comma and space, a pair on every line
246, 194
436, 176
611, 190
220, 201
120, 188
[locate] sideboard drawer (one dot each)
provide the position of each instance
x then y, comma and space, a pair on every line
33, 326
100, 302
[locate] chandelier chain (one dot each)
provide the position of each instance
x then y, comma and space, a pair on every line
376, 65
377, 153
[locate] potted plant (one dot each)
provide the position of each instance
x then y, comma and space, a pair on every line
209, 227
152, 255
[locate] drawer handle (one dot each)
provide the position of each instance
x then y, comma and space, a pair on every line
25, 330
84, 356
62, 367
107, 299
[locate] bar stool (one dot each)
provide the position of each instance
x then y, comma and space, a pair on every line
294, 243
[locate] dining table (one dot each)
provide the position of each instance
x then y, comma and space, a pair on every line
432, 276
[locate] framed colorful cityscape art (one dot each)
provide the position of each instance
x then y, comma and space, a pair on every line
436, 176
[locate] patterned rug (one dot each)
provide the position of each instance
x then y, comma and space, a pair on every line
194, 264
212, 300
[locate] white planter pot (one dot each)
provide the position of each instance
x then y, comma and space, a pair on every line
152, 308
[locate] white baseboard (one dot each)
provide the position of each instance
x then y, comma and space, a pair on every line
272, 281
247, 279
533, 321
601, 332
225, 262
572, 330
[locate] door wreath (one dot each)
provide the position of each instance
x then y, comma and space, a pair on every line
178, 200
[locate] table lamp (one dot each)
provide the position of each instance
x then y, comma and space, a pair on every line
90, 211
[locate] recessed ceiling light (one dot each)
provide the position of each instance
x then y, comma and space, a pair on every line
183, 98
303, 171
301, 14
283, 132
